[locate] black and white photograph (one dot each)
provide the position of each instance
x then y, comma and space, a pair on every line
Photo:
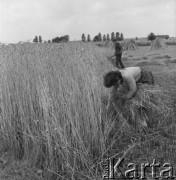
87, 89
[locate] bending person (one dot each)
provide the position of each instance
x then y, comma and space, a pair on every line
124, 82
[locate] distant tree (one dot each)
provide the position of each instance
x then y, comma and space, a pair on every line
88, 37
112, 36
100, 37
35, 39
40, 39
55, 40
104, 37
83, 37
121, 37
96, 38
65, 38
61, 39
49, 41
136, 38
108, 39
117, 35
167, 36
151, 36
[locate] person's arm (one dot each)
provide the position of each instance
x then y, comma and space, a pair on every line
132, 87
112, 95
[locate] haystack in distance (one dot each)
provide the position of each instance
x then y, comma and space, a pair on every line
158, 43
130, 45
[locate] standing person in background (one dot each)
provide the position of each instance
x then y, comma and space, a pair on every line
118, 54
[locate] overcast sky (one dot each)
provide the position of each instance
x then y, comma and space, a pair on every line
22, 20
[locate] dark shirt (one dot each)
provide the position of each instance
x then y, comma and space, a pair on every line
118, 49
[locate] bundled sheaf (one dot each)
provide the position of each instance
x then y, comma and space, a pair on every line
130, 45
158, 44
151, 104
151, 97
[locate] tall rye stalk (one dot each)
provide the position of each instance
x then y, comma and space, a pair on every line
51, 106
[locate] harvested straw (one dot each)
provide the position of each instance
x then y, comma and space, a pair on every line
130, 45
158, 44
151, 104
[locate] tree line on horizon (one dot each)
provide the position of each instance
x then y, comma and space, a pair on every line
61, 39
106, 37
98, 38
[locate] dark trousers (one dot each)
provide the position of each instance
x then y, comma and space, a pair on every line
119, 63
146, 77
